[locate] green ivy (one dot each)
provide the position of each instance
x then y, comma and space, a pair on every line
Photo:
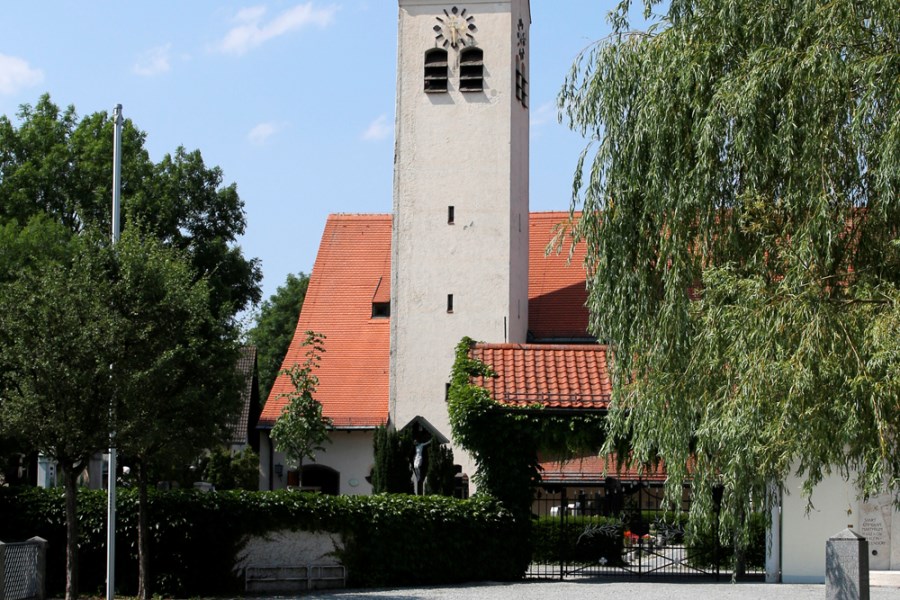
504, 440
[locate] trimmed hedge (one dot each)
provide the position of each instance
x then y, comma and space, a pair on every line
388, 539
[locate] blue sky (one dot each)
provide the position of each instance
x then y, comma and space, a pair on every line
293, 100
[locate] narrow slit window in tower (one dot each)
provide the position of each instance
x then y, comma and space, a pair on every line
521, 84
450, 215
449, 303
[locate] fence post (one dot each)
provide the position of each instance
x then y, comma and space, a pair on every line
40, 576
563, 532
2, 571
847, 566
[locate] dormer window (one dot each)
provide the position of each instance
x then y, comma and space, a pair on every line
381, 310
436, 70
471, 70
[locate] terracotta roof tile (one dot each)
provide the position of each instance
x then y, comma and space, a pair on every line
591, 468
556, 284
352, 266
553, 375
352, 271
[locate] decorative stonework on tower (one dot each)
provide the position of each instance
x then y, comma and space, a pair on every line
460, 231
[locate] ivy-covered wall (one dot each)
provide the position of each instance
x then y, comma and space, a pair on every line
505, 440
387, 539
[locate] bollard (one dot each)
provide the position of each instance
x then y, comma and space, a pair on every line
40, 583
847, 567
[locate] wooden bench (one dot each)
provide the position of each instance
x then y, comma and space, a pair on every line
286, 578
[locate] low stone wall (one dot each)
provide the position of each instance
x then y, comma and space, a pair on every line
290, 561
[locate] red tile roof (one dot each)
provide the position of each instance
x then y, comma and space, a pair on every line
591, 468
352, 269
556, 283
554, 376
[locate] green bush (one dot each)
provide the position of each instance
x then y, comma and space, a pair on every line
387, 539
702, 547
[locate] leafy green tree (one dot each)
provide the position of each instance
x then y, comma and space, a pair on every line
741, 218
58, 166
176, 386
57, 341
275, 323
301, 429
161, 308
119, 339
230, 471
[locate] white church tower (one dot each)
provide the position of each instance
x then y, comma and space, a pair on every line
460, 230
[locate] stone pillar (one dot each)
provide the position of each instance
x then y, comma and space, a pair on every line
847, 567
40, 583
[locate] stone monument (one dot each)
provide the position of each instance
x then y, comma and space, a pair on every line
847, 567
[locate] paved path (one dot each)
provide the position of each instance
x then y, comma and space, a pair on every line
594, 589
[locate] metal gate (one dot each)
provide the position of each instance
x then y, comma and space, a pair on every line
617, 528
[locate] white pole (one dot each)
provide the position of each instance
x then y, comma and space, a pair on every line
111, 475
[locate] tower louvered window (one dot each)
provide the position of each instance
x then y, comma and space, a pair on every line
471, 70
436, 70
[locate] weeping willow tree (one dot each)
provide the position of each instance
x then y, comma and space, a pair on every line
740, 213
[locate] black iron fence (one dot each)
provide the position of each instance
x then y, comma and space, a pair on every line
622, 529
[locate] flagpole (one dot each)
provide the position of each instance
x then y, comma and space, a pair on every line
111, 473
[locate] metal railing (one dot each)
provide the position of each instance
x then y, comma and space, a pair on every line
620, 530
23, 566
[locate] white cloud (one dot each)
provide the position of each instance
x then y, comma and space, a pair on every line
154, 61
252, 30
260, 134
543, 114
378, 129
16, 74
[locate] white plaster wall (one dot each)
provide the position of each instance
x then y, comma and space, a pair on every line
350, 453
803, 536
835, 506
470, 151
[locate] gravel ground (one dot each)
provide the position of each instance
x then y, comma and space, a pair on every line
584, 590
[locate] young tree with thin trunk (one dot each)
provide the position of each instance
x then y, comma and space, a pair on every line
57, 342
301, 429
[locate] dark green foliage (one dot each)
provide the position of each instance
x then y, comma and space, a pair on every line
740, 214
274, 326
388, 540
232, 471
440, 475
577, 540
702, 544
394, 452
58, 166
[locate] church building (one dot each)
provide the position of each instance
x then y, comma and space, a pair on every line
461, 255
